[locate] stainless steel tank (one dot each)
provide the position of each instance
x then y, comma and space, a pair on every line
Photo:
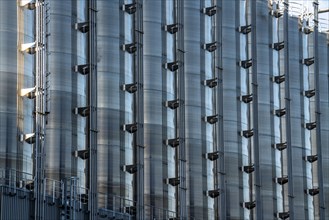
294, 125
115, 28
277, 93
16, 72
262, 87
272, 157
159, 121
198, 105
65, 130
321, 149
234, 177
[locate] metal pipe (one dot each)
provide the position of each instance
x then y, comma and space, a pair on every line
40, 107
181, 112
322, 11
92, 103
139, 114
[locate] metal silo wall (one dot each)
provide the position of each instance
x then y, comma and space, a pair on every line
115, 106
308, 116
65, 130
16, 72
193, 142
323, 88
275, 65
198, 105
231, 118
25, 79
208, 106
263, 152
155, 150
295, 163
169, 116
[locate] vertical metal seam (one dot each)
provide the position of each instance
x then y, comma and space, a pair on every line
255, 108
221, 207
139, 148
287, 103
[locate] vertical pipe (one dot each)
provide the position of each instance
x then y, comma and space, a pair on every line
39, 123
92, 103
181, 114
221, 206
139, 144
255, 108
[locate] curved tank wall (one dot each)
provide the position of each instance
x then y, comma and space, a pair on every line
25, 79
323, 150
158, 120
115, 106
231, 117
263, 150
198, 105
65, 130
169, 116
16, 72
276, 93
294, 159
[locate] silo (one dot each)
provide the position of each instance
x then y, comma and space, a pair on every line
16, 73
160, 137
67, 47
199, 46
116, 92
263, 153
321, 150
235, 81
277, 106
295, 164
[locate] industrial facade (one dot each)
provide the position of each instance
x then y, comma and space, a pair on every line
164, 109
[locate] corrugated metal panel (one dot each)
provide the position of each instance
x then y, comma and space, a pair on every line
15, 204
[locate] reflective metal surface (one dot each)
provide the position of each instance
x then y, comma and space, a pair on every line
269, 162
115, 106
16, 72
65, 130
296, 173
159, 121
321, 149
231, 113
